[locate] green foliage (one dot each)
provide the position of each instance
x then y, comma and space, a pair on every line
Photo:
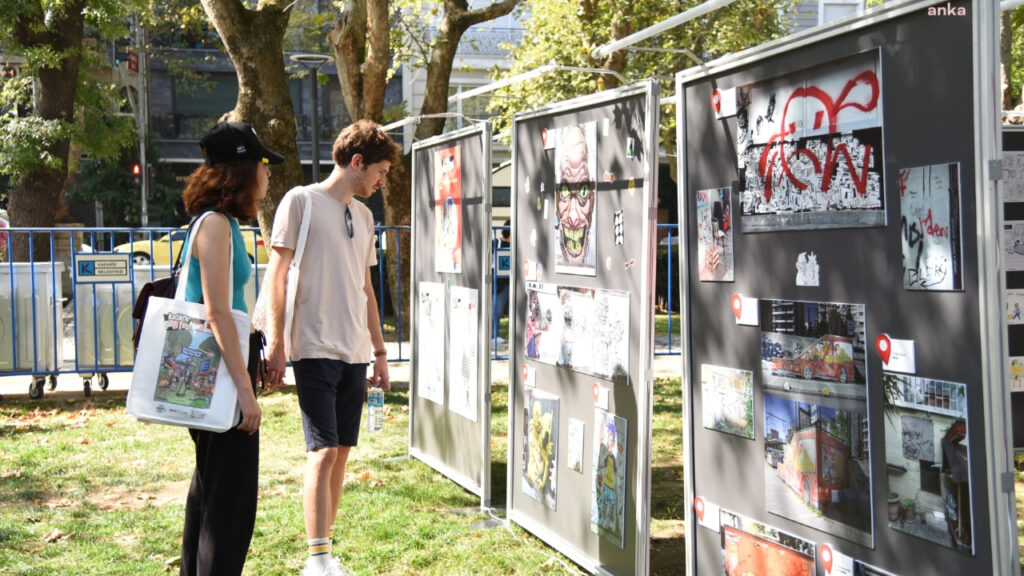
1016, 79
109, 182
566, 33
24, 136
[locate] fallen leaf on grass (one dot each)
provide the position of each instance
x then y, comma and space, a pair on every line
376, 483
109, 424
362, 476
144, 496
82, 440
548, 563
62, 503
11, 474
173, 561
55, 535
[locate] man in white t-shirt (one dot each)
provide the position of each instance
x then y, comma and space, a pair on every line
335, 325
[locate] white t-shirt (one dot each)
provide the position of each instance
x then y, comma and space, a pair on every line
330, 304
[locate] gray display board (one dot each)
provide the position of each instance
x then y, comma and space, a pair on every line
450, 399
840, 354
580, 364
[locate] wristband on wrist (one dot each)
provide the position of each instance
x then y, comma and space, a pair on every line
379, 353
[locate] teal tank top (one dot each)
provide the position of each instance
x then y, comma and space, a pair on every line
241, 271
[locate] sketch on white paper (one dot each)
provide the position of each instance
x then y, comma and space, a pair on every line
430, 342
463, 331
1016, 373
807, 269
540, 448
1013, 245
584, 329
1013, 176
574, 456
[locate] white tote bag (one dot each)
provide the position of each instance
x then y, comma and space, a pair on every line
262, 307
179, 377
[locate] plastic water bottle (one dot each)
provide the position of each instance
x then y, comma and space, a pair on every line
375, 409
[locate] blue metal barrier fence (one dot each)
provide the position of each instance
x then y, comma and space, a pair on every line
72, 312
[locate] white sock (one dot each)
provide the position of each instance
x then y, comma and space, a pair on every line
319, 553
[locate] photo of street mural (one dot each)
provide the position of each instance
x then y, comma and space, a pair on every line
189, 364
750, 547
809, 148
727, 397
815, 348
817, 467
928, 462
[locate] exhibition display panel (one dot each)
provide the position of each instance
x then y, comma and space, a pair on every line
584, 176
450, 395
842, 364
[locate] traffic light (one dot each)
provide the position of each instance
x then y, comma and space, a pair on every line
136, 174
121, 51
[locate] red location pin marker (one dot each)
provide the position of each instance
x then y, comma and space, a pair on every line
716, 101
597, 391
737, 305
544, 137
526, 372
526, 267
884, 347
698, 507
826, 557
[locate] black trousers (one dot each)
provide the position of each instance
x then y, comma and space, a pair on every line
220, 511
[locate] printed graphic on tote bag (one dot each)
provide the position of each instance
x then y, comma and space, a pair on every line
189, 362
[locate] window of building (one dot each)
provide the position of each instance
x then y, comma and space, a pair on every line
475, 107
930, 478
829, 10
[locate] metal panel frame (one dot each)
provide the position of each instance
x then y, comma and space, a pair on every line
642, 375
997, 425
481, 486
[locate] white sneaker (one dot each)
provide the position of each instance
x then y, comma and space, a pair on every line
318, 567
336, 569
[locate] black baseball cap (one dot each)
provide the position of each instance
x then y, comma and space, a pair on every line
230, 141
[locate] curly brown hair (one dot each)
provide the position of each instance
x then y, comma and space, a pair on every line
229, 188
365, 137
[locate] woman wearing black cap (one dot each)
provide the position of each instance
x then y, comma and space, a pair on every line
221, 508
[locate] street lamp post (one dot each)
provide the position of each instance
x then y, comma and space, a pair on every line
313, 62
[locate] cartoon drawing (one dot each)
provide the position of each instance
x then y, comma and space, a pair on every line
608, 491
448, 210
540, 456
807, 269
190, 360
576, 199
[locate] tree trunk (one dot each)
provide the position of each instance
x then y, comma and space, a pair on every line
37, 198
1011, 93
254, 41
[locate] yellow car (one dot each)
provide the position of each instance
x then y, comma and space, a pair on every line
163, 250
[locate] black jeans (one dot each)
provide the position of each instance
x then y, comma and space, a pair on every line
220, 512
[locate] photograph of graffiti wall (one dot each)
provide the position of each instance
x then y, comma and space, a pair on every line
817, 470
930, 227
809, 147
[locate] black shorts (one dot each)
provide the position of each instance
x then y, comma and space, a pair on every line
331, 395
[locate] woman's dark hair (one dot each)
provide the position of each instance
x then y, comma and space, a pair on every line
229, 188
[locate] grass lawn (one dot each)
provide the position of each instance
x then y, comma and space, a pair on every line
84, 489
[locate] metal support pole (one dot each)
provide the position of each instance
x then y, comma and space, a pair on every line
313, 62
